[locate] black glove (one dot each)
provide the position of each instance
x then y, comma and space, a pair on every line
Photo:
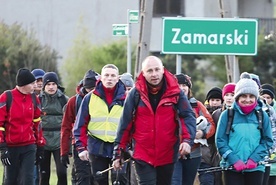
5, 156
39, 155
117, 153
65, 160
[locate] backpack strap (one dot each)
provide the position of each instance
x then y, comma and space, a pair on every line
136, 103
34, 100
177, 119
78, 103
8, 100
62, 100
230, 113
259, 114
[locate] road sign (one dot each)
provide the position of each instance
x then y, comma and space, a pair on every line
209, 36
119, 29
133, 16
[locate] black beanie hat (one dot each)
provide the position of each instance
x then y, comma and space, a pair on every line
90, 78
24, 77
50, 77
184, 79
214, 93
268, 89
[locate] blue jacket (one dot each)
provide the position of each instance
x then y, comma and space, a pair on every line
94, 145
245, 140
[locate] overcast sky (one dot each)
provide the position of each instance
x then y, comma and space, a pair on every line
55, 21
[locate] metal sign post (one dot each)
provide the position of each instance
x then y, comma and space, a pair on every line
132, 17
125, 30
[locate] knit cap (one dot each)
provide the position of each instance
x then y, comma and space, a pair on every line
126, 78
90, 78
184, 79
38, 73
246, 86
245, 75
228, 88
215, 92
24, 77
268, 89
256, 79
50, 77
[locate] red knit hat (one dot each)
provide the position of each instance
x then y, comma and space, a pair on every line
228, 88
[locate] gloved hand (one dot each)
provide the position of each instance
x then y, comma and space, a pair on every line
251, 164
84, 156
239, 166
117, 153
65, 160
39, 155
5, 156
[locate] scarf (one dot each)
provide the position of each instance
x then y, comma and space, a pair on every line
248, 108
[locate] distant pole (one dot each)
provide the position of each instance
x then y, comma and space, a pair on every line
178, 64
231, 62
143, 46
178, 61
128, 44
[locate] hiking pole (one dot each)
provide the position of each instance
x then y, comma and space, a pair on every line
117, 182
219, 169
110, 168
267, 161
214, 169
211, 168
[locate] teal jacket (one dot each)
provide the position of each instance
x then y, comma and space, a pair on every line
245, 140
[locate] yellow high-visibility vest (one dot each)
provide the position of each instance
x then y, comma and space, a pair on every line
103, 124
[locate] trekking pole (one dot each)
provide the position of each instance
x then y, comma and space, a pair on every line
214, 169
206, 169
117, 182
110, 168
219, 169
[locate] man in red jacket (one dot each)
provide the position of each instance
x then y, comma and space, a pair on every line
81, 173
155, 129
21, 138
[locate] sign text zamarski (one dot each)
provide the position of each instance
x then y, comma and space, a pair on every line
209, 36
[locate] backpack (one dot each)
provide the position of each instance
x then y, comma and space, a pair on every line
9, 100
231, 113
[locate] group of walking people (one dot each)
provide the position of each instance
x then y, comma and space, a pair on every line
155, 124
